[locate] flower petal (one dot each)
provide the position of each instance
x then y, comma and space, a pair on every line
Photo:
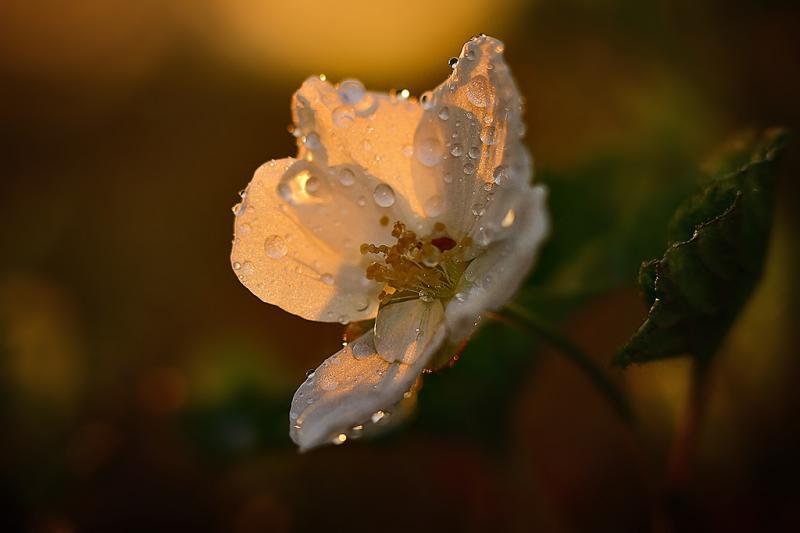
288, 252
353, 387
402, 328
350, 126
494, 276
476, 117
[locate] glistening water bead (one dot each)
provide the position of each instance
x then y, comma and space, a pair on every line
275, 246
383, 195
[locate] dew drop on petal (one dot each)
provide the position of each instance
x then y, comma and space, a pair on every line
447, 176
366, 106
434, 206
457, 150
383, 195
275, 246
343, 116
500, 175
347, 177
489, 136
453, 62
312, 141
444, 113
474, 152
237, 265
426, 100
311, 185
428, 150
408, 150
377, 416
351, 91
469, 168
362, 303
326, 278
339, 439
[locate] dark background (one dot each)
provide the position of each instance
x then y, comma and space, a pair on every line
144, 389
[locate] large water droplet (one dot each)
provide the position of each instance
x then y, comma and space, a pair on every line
351, 91
457, 150
500, 175
428, 150
489, 136
434, 206
383, 195
347, 177
275, 246
469, 168
474, 152
312, 141
366, 106
343, 116
479, 91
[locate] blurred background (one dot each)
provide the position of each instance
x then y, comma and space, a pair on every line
144, 389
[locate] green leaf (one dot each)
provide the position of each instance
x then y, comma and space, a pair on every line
717, 244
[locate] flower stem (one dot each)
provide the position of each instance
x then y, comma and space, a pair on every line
548, 333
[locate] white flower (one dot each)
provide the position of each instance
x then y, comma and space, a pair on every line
418, 214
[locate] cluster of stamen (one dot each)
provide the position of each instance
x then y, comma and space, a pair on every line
427, 268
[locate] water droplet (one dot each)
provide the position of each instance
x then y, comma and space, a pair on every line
326, 278
347, 177
426, 100
428, 150
311, 185
479, 91
312, 141
444, 113
434, 206
248, 268
377, 416
310, 374
351, 91
478, 210
474, 152
447, 177
238, 209
500, 175
484, 236
469, 168
404, 94
339, 439
408, 150
275, 246
453, 62
343, 319
457, 150
489, 136
383, 195
366, 106
362, 303
237, 265
343, 116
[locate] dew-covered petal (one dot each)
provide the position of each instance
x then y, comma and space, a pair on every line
296, 243
494, 276
347, 125
354, 387
476, 116
401, 328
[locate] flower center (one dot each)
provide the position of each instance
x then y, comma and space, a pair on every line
428, 268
